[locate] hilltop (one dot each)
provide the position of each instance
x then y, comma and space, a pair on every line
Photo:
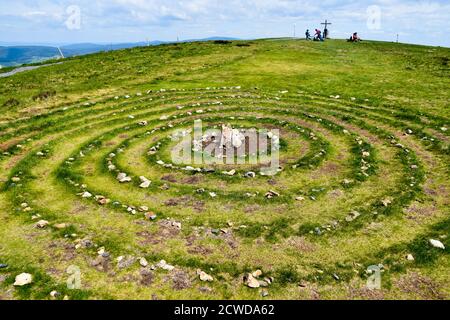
358, 208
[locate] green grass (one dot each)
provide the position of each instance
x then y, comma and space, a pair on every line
383, 139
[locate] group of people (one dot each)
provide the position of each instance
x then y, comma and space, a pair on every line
319, 37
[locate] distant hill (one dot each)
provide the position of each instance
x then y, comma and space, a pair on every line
11, 56
17, 55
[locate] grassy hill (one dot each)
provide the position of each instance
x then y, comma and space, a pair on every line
364, 179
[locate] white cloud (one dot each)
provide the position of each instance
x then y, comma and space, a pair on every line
241, 18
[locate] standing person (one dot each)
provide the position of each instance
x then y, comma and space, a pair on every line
308, 35
325, 33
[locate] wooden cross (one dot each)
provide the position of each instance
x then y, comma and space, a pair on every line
325, 31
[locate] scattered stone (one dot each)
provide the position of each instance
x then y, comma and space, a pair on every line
3, 265
229, 173
150, 215
250, 174
86, 195
213, 194
122, 177
60, 226
123, 262
386, 202
164, 265
271, 194
145, 183
250, 281
102, 200
143, 262
15, 179
300, 198
23, 279
410, 257
437, 244
143, 208
347, 181
352, 216
264, 293
54, 294
257, 273
204, 276
42, 224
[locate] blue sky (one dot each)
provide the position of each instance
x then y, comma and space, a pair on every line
102, 21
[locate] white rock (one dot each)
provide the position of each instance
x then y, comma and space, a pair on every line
437, 244
204, 276
165, 266
42, 224
250, 174
23, 279
143, 262
251, 282
145, 183
229, 173
86, 195
122, 177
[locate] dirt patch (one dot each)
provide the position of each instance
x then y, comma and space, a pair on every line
418, 211
180, 280
420, 286
355, 293
300, 244
200, 250
79, 207
147, 277
252, 208
186, 201
334, 194
169, 178
192, 180
164, 233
